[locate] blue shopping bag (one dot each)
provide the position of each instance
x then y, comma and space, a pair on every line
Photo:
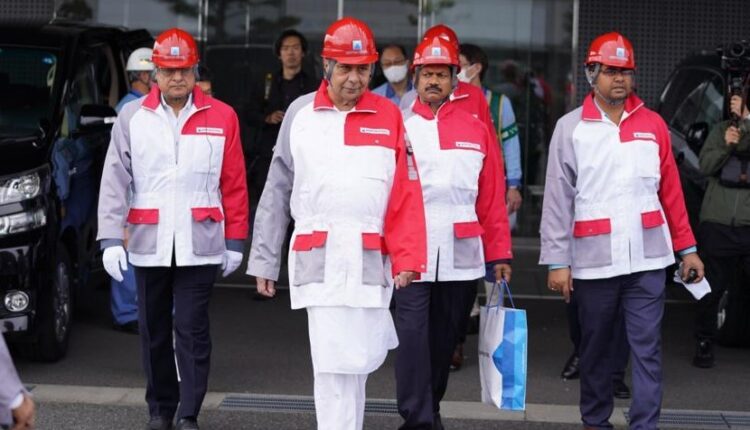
503, 345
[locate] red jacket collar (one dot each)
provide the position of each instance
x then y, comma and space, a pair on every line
154, 98
366, 103
425, 111
461, 91
591, 111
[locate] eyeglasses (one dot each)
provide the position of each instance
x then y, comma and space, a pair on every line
612, 72
184, 71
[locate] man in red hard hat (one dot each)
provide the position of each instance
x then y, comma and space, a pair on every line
179, 152
463, 186
344, 172
613, 216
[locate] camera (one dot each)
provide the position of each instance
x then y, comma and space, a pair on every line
735, 57
735, 61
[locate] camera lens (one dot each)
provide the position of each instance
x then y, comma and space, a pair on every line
737, 50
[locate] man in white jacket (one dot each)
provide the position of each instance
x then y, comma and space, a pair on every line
463, 185
180, 153
343, 171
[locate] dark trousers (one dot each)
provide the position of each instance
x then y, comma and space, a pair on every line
640, 298
186, 290
620, 347
725, 252
428, 318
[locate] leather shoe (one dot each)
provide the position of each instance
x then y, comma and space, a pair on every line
620, 390
159, 423
187, 424
570, 371
457, 360
704, 354
130, 327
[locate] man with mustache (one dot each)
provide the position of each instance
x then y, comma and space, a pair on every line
344, 172
613, 216
463, 186
179, 152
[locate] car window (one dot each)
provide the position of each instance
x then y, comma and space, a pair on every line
83, 90
712, 104
26, 82
683, 99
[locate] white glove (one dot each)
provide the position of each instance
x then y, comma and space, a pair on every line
230, 261
114, 260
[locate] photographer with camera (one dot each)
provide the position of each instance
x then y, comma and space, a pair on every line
724, 232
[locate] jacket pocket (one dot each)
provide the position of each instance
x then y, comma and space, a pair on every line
143, 226
309, 257
373, 260
208, 235
593, 243
467, 245
654, 240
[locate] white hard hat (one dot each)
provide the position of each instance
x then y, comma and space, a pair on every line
140, 61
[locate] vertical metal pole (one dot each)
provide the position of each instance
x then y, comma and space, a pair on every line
247, 24
200, 19
432, 13
205, 19
340, 9
420, 19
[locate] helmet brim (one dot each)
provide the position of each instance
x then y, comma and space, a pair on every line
354, 59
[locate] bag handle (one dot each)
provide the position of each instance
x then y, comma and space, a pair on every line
505, 287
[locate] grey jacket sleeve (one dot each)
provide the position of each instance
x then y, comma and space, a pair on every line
272, 215
116, 178
558, 209
10, 384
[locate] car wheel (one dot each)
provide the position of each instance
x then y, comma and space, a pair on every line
54, 313
733, 320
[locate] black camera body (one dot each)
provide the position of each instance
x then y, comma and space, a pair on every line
735, 60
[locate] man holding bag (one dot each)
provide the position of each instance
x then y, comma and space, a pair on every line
467, 226
613, 215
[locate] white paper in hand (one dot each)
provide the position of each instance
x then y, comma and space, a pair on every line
698, 289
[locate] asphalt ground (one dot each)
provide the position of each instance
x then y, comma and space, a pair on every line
261, 348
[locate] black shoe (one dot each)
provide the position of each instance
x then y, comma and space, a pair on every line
620, 390
130, 327
159, 423
457, 359
187, 424
570, 371
704, 354
437, 423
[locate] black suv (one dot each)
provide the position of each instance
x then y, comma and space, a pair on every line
692, 103
58, 84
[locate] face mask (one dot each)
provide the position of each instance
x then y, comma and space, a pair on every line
396, 73
463, 76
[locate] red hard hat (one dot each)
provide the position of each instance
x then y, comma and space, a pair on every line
175, 48
435, 51
442, 31
350, 41
611, 49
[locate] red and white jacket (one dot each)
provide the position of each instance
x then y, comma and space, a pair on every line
613, 203
347, 180
463, 184
189, 193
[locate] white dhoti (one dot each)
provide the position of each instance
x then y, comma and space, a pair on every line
346, 345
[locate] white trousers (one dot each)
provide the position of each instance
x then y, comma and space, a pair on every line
340, 401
